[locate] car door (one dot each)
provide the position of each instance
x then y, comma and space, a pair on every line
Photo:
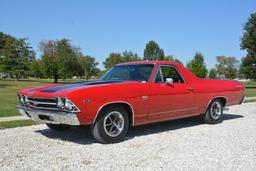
170, 100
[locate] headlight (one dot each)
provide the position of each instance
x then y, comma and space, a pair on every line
22, 99
66, 104
26, 99
60, 103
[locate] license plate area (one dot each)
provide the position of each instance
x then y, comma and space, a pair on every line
45, 117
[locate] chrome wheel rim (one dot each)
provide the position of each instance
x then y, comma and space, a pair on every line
216, 110
113, 123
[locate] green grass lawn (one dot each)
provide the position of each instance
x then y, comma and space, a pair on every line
9, 88
250, 90
19, 123
249, 101
250, 85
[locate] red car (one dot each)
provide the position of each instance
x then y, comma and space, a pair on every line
130, 94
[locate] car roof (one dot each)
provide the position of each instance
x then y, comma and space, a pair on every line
148, 62
187, 75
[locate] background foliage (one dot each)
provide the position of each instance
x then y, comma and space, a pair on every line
248, 42
60, 59
197, 65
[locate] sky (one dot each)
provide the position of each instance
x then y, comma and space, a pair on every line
180, 27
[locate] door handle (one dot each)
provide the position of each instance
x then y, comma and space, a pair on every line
190, 88
144, 97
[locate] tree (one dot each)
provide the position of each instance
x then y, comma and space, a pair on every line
112, 59
227, 66
89, 66
171, 58
248, 66
15, 55
37, 69
197, 65
128, 56
153, 51
116, 58
168, 58
213, 73
68, 65
248, 42
50, 59
232, 68
59, 59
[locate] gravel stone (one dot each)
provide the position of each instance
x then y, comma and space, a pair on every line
185, 144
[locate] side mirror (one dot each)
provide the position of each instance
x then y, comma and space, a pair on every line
169, 81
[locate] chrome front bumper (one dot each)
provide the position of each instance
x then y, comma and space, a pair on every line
52, 117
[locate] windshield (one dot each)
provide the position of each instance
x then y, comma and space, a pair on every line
139, 72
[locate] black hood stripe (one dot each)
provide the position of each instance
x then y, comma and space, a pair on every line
74, 85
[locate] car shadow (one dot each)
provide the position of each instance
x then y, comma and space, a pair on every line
82, 134
172, 125
77, 134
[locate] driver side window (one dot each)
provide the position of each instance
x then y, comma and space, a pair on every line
165, 72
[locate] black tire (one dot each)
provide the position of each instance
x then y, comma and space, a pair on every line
101, 134
58, 127
211, 117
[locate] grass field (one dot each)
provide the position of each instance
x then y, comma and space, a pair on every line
9, 88
250, 92
250, 85
19, 123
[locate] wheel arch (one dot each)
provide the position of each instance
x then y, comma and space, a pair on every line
222, 98
127, 106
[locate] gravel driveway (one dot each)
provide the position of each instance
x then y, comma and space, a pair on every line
177, 145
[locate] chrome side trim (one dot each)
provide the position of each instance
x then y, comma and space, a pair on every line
215, 97
170, 111
124, 102
51, 117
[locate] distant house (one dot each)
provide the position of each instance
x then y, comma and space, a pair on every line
4, 75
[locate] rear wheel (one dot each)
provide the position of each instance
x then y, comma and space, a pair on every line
214, 113
112, 126
58, 127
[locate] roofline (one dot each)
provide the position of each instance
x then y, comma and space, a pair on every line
148, 62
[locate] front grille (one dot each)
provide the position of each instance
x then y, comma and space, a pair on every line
42, 103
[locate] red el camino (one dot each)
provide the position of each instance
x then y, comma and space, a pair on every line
130, 94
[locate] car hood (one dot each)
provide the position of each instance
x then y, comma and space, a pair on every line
63, 88
75, 86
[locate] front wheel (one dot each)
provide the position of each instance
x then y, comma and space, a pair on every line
214, 113
112, 126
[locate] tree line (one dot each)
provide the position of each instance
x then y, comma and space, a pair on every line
60, 59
